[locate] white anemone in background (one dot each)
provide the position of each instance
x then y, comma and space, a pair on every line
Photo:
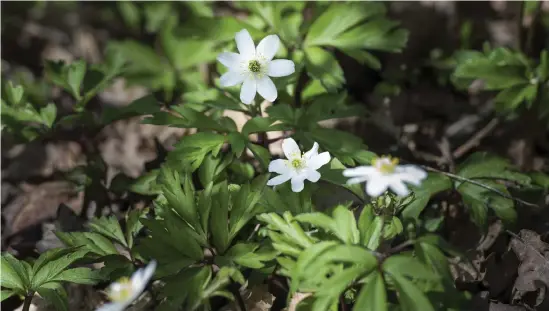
254, 66
124, 291
385, 173
297, 167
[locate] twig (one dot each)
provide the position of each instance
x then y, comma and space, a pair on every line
445, 149
475, 140
474, 182
400, 247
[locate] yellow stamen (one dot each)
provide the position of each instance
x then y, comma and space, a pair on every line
297, 163
254, 66
385, 164
121, 290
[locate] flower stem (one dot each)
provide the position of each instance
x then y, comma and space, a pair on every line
28, 301
474, 182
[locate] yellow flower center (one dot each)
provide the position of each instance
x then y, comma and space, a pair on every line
254, 66
121, 290
385, 165
297, 163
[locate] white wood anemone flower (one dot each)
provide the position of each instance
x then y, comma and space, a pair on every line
298, 167
253, 67
385, 173
124, 291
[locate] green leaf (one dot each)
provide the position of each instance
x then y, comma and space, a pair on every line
85, 276
259, 124
133, 225
244, 204
142, 106
478, 199
109, 227
411, 298
48, 114
130, 14
511, 98
323, 66
14, 275
345, 223
433, 184
95, 243
52, 263
5, 294
191, 150
75, 77
219, 217
405, 265
328, 26
372, 236
373, 295
250, 255
238, 143
14, 93
56, 296
485, 165
261, 153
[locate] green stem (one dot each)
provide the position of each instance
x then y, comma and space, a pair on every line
474, 182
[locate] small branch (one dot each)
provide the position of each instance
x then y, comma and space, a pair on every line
273, 140
475, 140
474, 182
400, 247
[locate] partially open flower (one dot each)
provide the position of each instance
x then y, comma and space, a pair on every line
254, 66
124, 291
386, 173
297, 167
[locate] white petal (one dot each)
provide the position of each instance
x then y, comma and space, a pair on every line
415, 171
231, 78
290, 148
230, 60
313, 176
318, 161
268, 47
281, 68
357, 180
298, 183
280, 179
399, 188
279, 166
247, 92
245, 44
267, 89
149, 271
359, 171
313, 152
376, 187
112, 306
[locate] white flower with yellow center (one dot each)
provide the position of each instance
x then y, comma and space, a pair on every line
298, 167
386, 173
254, 66
124, 291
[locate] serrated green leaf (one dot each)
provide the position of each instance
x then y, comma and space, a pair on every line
327, 27
109, 227
238, 143
245, 205
95, 243
52, 263
75, 77
433, 184
133, 225
323, 66
84, 276
373, 295
14, 275
219, 217
191, 150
